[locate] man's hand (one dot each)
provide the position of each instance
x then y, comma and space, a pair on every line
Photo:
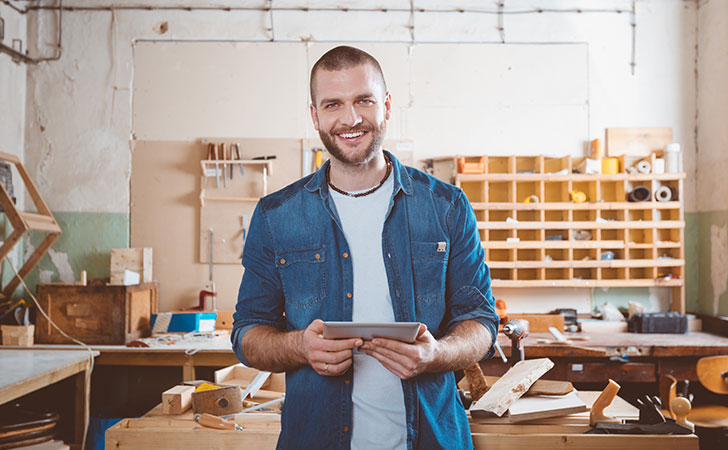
402, 359
328, 357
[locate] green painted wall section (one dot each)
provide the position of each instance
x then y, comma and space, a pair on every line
705, 249
692, 262
87, 240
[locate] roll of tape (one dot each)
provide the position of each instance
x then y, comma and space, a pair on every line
663, 194
644, 167
578, 197
639, 194
532, 199
610, 166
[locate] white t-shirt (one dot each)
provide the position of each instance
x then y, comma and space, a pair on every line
379, 419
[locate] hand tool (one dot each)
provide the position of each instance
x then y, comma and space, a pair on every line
605, 399
516, 330
217, 170
223, 156
210, 421
237, 157
500, 351
256, 384
209, 291
264, 405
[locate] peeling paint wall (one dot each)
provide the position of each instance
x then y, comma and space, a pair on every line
712, 157
78, 118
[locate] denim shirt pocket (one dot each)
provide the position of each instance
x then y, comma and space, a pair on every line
429, 266
303, 275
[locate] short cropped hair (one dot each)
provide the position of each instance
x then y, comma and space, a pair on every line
345, 57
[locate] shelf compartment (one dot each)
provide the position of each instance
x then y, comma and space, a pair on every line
528, 235
640, 253
500, 255
560, 282
556, 273
644, 225
590, 188
474, 190
528, 216
584, 215
557, 215
499, 165
497, 274
527, 274
642, 273
528, 255
557, 254
616, 215
612, 273
525, 189
585, 254
611, 191
555, 191
585, 274
498, 235
500, 192
668, 234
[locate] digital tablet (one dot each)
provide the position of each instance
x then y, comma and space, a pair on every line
401, 331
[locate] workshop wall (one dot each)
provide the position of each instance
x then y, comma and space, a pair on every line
12, 117
79, 142
712, 157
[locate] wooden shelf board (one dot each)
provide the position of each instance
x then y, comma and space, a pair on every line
588, 264
585, 283
232, 199
571, 225
608, 206
553, 244
505, 177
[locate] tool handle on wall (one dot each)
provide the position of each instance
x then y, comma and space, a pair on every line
210, 421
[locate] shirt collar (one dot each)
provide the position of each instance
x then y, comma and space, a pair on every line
402, 179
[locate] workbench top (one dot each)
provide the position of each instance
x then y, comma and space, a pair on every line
694, 343
27, 370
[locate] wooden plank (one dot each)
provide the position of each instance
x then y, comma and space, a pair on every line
544, 406
177, 400
636, 141
540, 387
511, 386
528, 428
121, 437
540, 323
583, 441
136, 259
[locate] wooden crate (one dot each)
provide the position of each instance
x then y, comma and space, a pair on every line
136, 259
101, 314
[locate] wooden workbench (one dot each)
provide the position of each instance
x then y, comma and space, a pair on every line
161, 432
186, 358
26, 371
646, 356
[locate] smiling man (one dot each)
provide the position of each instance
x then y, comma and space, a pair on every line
364, 239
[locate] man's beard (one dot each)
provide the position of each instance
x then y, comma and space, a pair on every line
377, 135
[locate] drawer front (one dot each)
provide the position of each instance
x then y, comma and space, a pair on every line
619, 372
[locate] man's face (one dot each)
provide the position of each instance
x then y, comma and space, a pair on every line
350, 113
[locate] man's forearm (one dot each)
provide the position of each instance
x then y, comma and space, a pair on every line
464, 345
267, 348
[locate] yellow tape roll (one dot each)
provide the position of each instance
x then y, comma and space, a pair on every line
531, 199
610, 166
578, 197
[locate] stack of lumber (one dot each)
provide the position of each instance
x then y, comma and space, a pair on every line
519, 395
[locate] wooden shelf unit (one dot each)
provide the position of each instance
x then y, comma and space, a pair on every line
535, 244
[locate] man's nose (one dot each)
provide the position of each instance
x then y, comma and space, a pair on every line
351, 116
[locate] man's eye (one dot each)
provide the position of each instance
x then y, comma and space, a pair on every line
366, 101
330, 105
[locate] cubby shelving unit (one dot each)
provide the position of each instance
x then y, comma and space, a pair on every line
535, 244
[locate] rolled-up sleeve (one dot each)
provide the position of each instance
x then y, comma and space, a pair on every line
468, 292
260, 297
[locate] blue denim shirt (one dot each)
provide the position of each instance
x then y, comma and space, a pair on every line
295, 272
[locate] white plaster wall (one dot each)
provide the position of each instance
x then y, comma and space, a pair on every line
89, 87
12, 86
712, 161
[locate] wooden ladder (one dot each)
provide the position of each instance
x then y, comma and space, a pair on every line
23, 222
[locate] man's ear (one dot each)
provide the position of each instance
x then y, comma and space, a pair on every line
314, 116
387, 106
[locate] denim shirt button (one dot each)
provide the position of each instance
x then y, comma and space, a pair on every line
346, 255
346, 429
283, 261
317, 256
348, 295
347, 381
